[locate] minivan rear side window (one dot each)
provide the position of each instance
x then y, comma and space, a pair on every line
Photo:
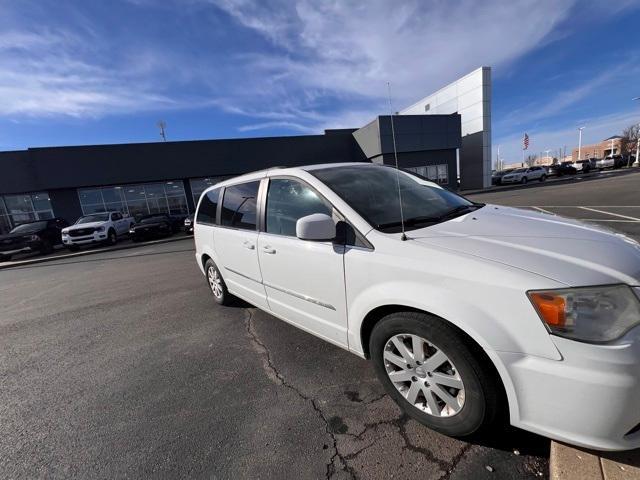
208, 207
239, 206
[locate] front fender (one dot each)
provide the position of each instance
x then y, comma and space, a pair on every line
498, 329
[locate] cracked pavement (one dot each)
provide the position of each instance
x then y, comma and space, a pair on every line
121, 365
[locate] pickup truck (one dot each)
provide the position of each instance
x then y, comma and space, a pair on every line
96, 228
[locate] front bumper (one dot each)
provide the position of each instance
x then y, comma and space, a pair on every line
590, 398
95, 237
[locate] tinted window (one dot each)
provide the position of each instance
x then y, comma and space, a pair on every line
287, 201
209, 207
239, 206
372, 191
30, 227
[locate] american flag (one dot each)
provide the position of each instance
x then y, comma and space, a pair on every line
525, 142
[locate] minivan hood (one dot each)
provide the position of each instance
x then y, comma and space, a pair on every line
565, 250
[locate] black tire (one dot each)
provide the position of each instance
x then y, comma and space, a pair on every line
543, 178
483, 391
524, 180
73, 248
221, 296
112, 237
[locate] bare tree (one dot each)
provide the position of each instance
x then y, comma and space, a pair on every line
530, 161
629, 140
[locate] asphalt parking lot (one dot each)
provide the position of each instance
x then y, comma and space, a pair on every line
119, 364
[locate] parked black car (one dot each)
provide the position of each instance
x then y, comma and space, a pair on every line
40, 236
177, 222
496, 178
564, 168
152, 226
188, 224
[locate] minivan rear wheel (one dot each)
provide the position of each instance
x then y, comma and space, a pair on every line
434, 374
218, 288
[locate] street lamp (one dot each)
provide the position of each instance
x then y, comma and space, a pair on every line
636, 163
547, 154
580, 142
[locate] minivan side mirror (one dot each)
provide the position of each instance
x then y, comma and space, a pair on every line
318, 226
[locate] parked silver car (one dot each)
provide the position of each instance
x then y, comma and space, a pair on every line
525, 174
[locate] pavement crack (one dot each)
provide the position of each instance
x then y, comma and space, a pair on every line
274, 374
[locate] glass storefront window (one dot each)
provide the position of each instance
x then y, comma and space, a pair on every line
41, 201
112, 195
24, 208
436, 173
136, 200
90, 196
199, 185
174, 189
178, 205
133, 193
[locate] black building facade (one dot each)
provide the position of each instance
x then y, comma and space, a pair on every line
168, 177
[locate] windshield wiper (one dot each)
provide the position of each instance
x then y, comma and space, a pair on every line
462, 209
421, 220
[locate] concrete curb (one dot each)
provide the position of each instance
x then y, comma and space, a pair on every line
572, 463
32, 261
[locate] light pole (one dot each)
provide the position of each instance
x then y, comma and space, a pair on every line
636, 162
547, 154
580, 142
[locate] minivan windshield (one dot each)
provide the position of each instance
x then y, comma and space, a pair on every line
95, 217
372, 191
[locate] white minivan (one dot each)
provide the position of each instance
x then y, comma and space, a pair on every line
473, 313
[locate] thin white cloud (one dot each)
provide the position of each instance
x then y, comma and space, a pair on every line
320, 64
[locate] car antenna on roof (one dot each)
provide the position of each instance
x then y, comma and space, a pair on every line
403, 237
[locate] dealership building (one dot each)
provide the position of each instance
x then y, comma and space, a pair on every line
438, 137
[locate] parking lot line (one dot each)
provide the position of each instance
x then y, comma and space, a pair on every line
609, 213
543, 210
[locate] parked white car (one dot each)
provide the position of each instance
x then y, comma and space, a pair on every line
478, 310
524, 175
96, 228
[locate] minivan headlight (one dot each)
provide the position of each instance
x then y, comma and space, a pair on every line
588, 314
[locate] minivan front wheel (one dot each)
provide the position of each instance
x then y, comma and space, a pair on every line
216, 283
434, 374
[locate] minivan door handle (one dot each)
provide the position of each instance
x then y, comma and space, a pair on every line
249, 245
268, 249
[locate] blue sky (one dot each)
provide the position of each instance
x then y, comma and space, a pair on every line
85, 72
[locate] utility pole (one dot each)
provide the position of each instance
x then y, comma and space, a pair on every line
162, 125
498, 167
580, 143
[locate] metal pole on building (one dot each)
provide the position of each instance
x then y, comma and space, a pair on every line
162, 125
580, 143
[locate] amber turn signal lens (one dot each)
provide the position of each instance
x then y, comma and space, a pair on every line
550, 307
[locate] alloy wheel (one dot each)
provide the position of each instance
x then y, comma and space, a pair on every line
215, 281
424, 375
